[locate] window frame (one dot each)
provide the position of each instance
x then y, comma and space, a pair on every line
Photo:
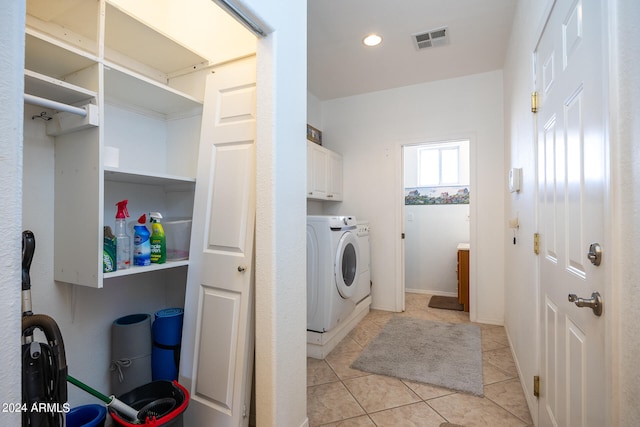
439, 149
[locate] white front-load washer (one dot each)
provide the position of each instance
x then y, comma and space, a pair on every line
332, 270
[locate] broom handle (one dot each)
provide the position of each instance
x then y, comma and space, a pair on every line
88, 389
111, 401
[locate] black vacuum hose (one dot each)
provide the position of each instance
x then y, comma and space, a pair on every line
28, 248
54, 338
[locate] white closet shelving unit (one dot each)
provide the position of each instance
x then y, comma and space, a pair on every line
95, 55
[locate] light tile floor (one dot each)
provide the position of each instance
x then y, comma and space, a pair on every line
338, 396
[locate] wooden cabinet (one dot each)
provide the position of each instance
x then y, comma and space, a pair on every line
463, 276
324, 173
97, 56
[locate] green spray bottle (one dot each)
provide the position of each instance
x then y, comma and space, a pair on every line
158, 240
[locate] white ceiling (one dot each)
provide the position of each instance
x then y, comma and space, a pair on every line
340, 65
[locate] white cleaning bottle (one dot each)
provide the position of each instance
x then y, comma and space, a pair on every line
123, 240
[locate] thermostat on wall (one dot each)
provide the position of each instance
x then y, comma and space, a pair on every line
515, 177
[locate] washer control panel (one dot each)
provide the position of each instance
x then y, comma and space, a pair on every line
363, 229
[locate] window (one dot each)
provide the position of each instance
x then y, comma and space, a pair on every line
439, 166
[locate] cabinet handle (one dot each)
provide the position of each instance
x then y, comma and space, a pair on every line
329, 195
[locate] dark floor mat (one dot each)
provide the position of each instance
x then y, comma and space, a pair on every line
447, 303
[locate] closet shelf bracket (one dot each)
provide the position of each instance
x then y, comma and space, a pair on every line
65, 122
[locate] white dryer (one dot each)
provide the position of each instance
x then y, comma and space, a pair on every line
363, 288
333, 259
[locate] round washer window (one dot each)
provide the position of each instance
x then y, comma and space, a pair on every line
346, 265
349, 264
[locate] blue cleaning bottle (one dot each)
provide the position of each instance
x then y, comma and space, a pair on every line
141, 243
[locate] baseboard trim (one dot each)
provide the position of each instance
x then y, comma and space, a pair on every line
427, 292
532, 401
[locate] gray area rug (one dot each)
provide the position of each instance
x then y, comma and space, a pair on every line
443, 354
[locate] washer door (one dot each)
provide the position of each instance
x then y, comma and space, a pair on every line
346, 265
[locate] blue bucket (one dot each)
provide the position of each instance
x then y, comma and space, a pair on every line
87, 416
167, 336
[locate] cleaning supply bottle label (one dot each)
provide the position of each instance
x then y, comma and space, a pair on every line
158, 244
141, 249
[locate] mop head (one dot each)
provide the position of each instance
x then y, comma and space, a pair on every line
158, 403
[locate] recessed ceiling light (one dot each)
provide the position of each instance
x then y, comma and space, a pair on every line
372, 40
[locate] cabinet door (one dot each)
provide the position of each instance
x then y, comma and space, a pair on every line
334, 177
317, 163
218, 342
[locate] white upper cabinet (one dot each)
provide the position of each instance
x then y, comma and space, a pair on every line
324, 173
334, 173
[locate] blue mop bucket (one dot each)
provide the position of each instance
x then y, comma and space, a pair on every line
87, 416
167, 336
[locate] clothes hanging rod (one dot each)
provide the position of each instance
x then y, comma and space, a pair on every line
48, 103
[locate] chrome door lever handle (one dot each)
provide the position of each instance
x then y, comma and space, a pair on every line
595, 302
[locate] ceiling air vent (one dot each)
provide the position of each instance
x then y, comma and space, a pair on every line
431, 38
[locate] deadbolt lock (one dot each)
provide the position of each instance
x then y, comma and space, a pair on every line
595, 254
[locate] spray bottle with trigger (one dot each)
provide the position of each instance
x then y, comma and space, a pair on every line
123, 241
141, 243
158, 241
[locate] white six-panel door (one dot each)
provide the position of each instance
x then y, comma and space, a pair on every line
218, 335
572, 206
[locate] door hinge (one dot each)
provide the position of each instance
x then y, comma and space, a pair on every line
536, 385
534, 102
536, 243
244, 411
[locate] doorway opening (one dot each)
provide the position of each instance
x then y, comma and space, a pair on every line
436, 214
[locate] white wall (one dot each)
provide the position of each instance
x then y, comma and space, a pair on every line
520, 262
11, 90
431, 256
369, 131
281, 213
625, 158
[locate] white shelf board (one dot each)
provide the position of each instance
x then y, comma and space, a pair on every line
135, 39
128, 88
146, 269
77, 16
46, 56
140, 177
54, 89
